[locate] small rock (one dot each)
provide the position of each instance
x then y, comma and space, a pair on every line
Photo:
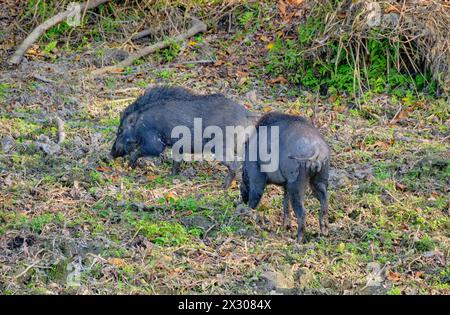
7, 143
242, 209
46, 145
375, 278
198, 221
277, 280
145, 162
339, 178
390, 20
189, 173
373, 290
363, 172
110, 57
95, 139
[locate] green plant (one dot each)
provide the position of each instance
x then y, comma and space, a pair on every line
394, 291
246, 18
163, 233
171, 52
338, 69
426, 243
4, 90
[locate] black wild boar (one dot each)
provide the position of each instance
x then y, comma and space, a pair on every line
146, 125
304, 157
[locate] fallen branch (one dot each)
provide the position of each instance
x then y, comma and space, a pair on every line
40, 29
141, 34
196, 27
41, 78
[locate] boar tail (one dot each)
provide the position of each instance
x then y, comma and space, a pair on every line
311, 158
312, 163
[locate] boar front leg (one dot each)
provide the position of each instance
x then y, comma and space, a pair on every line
256, 184
232, 167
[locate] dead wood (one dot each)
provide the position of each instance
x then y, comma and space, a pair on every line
40, 29
196, 27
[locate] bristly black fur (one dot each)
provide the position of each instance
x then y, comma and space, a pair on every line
156, 95
274, 118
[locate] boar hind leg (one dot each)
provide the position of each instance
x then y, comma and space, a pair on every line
320, 190
296, 191
232, 167
286, 212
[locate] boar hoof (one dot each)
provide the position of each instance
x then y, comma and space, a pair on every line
226, 184
324, 229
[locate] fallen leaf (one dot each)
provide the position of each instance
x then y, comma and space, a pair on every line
102, 169
400, 186
282, 8
267, 109
240, 73
152, 177
393, 276
402, 114
118, 262
170, 197
339, 109
392, 8
278, 79
242, 80
116, 70
264, 38
295, 2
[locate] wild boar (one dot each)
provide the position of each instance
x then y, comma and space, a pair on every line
303, 157
147, 126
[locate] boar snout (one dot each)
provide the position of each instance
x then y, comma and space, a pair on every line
122, 146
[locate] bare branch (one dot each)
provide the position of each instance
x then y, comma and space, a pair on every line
196, 27
40, 29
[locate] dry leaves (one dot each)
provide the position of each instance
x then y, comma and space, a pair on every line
400, 186
170, 197
279, 79
118, 262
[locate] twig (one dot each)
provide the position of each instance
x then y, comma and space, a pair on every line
41, 78
141, 34
28, 268
195, 62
